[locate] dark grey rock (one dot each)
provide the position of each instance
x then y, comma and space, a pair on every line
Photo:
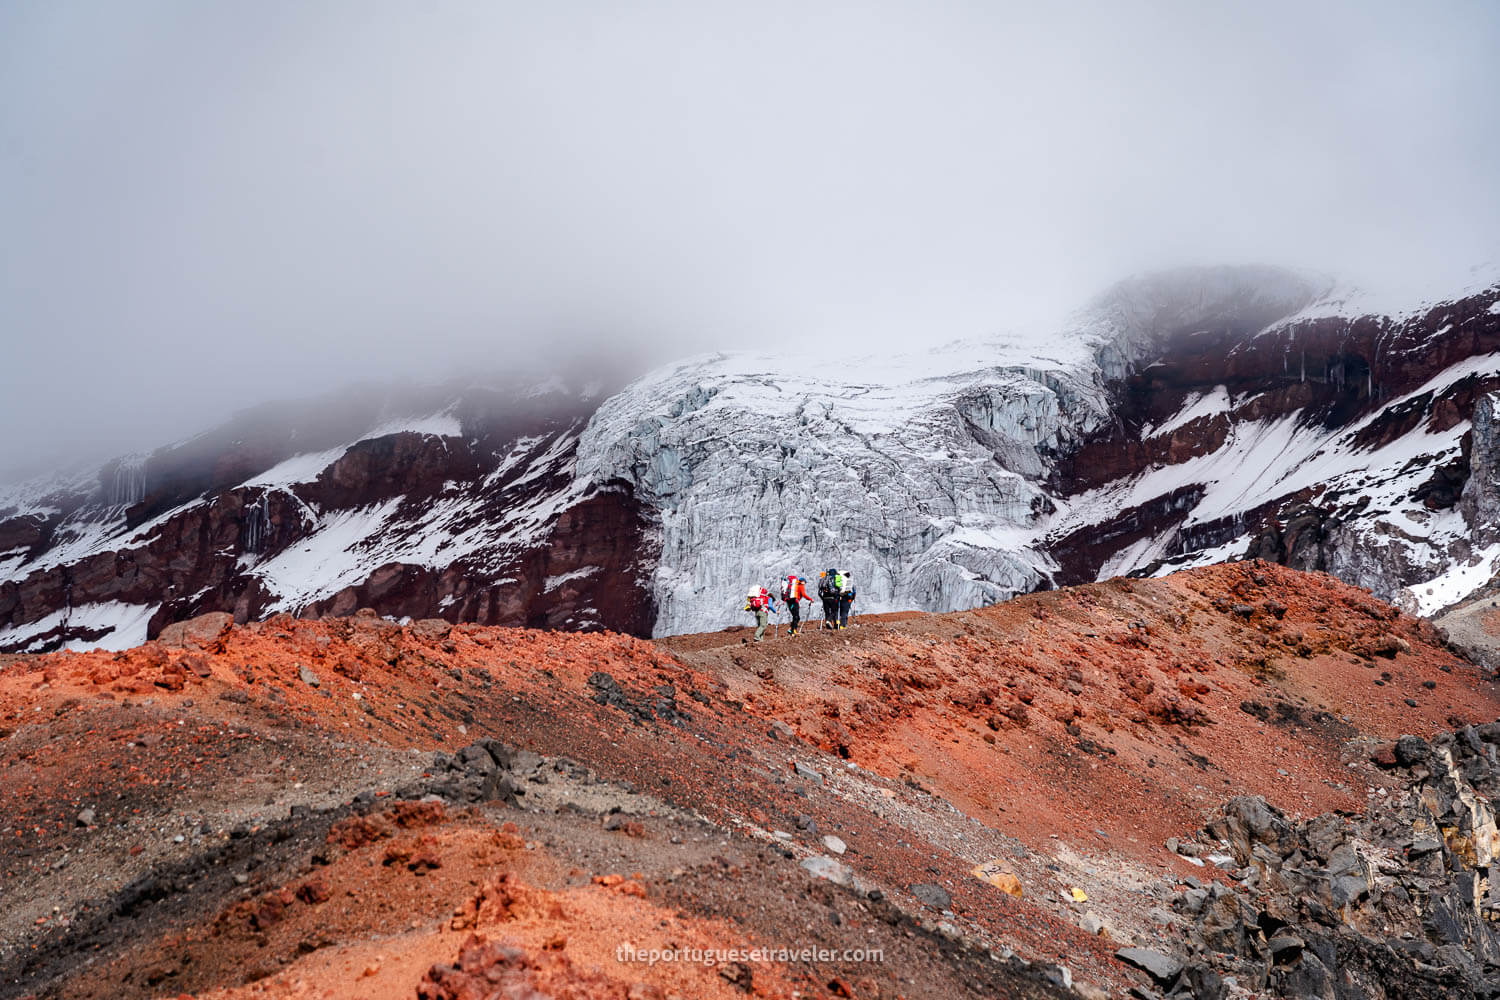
1285, 947
1412, 750
932, 895
503, 754
806, 773
1162, 968
1425, 845
476, 759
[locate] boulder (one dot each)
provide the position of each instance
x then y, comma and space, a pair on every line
1411, 751
1163, 968
431, 629
196, 633
806, 773
825, 867
477, 758
1249, 820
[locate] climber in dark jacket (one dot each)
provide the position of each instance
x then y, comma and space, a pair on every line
830, 598
846, 600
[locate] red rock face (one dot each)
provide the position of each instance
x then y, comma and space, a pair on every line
607, 531
192, 530
1331, 373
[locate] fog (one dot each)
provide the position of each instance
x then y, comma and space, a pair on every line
206, 206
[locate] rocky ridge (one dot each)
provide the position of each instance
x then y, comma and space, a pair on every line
302, 807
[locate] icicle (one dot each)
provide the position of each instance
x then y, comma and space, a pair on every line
258, 525
128, 484
1304, 365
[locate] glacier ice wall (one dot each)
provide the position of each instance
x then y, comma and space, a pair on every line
922, 475
917, 475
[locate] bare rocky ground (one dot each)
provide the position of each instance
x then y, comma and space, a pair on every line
1190, 786
1474, 627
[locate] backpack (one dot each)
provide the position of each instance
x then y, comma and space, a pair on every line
825, 586
847, 590
789, 589
756, 599
838, 584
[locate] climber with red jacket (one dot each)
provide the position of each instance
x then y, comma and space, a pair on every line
794, 592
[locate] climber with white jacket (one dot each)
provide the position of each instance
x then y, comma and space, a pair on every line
846, 598
760, 603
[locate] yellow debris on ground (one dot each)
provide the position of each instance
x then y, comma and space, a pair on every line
998, 875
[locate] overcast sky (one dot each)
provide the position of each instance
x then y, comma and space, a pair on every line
207, 205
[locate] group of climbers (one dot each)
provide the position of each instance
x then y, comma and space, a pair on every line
836, 591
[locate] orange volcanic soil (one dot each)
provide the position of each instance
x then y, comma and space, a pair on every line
170, 806
1129, 705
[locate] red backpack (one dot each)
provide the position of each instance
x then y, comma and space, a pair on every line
757, 598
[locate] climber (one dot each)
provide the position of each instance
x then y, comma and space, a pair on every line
846, 598
760, 603
794, 592
830, 598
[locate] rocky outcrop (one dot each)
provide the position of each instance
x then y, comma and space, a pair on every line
1403, 901
1480, 501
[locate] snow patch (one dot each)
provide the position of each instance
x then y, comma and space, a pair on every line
337, 554
124, 626
443, 424
297, 469
1452, 586
1205, 404
553, 582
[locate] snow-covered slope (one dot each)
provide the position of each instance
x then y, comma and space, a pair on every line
1330, 439
453, 510
1180, 418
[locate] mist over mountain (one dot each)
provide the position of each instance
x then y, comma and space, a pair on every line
210, 208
